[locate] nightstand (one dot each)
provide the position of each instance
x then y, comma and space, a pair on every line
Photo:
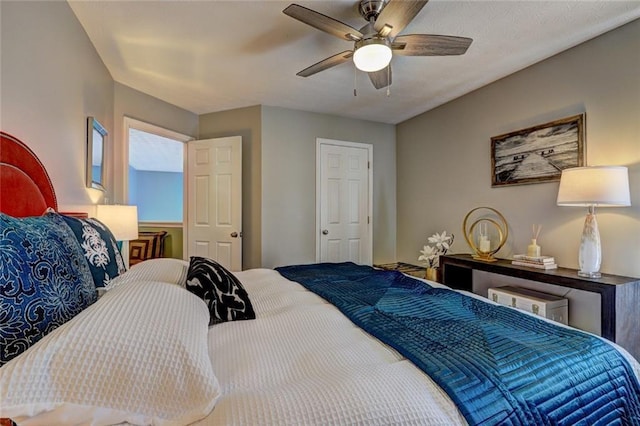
406, 268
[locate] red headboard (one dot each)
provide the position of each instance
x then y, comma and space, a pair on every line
25, 187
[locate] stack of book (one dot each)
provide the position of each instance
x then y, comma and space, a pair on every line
540, 262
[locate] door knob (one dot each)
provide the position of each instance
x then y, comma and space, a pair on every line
325, 232
234, 234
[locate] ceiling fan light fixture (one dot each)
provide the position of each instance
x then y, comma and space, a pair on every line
372, 54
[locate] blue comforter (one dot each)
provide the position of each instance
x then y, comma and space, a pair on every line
498, 365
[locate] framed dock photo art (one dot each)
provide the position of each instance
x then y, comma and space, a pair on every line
538, 153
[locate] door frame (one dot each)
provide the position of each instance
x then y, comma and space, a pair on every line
132, 123
345, 144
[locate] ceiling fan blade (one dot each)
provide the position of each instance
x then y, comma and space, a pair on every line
396, 15
329, 62
381, 78
322, 22
430, 45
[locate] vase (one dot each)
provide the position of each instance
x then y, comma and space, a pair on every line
433, 274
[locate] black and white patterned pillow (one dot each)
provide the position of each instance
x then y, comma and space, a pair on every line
220, 289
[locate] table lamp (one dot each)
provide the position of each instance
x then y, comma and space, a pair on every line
122, 220
602, 186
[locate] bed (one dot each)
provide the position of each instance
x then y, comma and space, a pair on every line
160, 347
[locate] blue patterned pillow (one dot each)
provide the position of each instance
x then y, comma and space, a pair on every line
44, 281
100, 248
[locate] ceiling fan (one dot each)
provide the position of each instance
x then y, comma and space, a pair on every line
377, 41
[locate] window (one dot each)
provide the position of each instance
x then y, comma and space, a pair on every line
155, 172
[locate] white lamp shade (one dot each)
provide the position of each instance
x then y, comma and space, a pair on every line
372, 57
606, 186
120, 219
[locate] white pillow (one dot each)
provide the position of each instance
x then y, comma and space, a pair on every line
164, 269
138, 355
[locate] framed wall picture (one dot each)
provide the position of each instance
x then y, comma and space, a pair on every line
96, 141
538, 153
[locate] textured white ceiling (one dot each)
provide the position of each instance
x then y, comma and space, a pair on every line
208, 56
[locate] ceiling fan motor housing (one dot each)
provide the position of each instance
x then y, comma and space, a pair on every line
372, 39
370, 9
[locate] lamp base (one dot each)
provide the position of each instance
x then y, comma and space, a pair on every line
590, 253
589, 274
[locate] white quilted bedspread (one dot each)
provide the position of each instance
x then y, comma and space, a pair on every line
143, 354
301, 362
138, 355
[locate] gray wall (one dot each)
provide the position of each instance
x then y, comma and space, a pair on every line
288, 182
245, 122
52, 79
444, 154
279, 194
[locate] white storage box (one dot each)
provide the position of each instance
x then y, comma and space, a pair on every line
546, 305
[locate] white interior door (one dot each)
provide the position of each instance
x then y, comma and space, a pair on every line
214, 202
344, 202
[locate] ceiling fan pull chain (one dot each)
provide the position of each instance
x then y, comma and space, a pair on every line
389, 79
355, 81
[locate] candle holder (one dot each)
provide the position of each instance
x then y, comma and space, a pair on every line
493, 221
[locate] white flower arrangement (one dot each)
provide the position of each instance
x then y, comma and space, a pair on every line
431, 254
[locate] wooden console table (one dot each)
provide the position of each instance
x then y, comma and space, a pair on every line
619, 296
407, 268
